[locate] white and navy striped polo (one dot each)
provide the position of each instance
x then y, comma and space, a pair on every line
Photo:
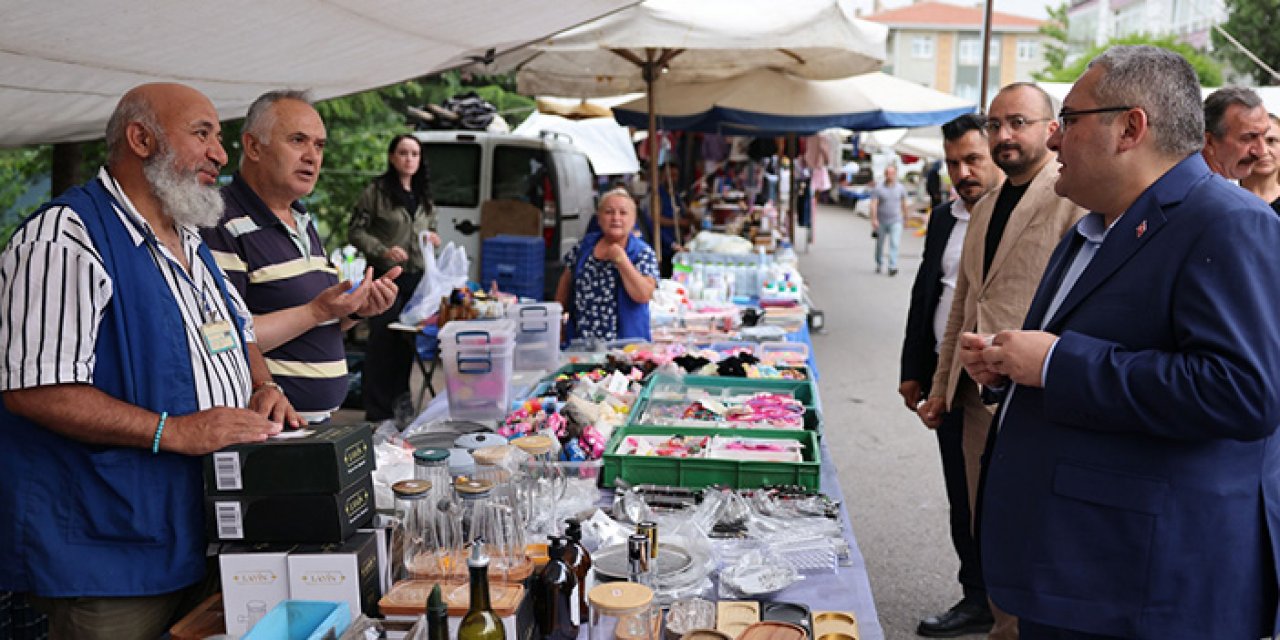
273, 269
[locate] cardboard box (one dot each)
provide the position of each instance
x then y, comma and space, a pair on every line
255, 578
323, 462
325, 518
346, 572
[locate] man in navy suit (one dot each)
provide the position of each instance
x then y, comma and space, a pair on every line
974, 174
1133, 486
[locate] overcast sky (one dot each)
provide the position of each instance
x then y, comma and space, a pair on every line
1030, 8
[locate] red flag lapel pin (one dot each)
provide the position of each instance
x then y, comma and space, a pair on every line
1142, 228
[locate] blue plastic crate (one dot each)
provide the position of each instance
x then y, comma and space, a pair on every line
515, 263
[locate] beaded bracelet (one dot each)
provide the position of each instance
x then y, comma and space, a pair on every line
155, 443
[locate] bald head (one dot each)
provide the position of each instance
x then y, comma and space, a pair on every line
164, 146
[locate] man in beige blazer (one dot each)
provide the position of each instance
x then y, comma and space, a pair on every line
1012, 231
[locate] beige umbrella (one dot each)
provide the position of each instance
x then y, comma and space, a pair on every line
645, 46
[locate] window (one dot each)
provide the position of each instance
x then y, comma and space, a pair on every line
970, 51
519, 173
1026, 50
922, 47
455, 173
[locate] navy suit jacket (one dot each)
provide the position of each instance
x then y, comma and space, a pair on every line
919, 346
1136, 493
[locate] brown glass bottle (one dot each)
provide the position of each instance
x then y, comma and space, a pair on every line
579, 561
555, 596
480, 623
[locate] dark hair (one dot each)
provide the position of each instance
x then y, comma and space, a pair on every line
420, 183
1215, 107
956, 129
1040, 92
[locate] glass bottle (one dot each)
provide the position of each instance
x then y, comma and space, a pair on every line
555, 596
437, 618
623, 611
480, 623
541, 483
579, 561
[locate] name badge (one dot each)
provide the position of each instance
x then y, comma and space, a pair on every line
219, 336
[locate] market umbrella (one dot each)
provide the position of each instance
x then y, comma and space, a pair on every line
646, 46
767, 101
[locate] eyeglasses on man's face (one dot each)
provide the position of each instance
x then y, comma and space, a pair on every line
1015, 123
1067, 117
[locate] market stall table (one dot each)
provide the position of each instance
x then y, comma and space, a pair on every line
848, 589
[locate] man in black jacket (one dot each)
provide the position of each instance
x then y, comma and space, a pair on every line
973, 174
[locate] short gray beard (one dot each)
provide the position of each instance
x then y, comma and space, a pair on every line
180, 193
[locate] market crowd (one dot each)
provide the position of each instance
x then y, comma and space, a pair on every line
1093, 336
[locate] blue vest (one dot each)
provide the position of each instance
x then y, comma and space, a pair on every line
633, 317
86, 520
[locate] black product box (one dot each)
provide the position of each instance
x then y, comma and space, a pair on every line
319, 518
346, 572
323, 462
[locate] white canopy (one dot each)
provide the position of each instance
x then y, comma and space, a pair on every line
704, 40
606, 143
64, 64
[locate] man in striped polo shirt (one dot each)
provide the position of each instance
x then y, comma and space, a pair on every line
124, 356
269, 247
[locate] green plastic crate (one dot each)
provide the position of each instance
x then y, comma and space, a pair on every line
697, 473
802, 390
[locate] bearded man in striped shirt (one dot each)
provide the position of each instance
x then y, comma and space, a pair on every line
124, 356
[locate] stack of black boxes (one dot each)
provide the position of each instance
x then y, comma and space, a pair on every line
290, 509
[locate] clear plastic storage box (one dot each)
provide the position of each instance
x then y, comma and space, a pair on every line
537, 335
478, 358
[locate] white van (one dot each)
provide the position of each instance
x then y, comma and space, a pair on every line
469, 168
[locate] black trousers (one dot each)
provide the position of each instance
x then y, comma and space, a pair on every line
388, 357
962, 539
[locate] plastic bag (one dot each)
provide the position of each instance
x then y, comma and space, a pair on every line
441, 275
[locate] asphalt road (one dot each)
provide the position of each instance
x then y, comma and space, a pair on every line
889, 468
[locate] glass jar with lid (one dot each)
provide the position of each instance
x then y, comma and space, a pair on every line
428, 540
432, 465
541, 484
623, 611
496, 525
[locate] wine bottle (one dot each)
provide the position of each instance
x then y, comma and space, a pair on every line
579, 561
480, 623
437, 616
555, 596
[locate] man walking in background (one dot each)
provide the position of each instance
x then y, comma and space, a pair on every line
888, 212
1011, 234
973, 175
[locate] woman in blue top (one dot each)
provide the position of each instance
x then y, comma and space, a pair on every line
610, 276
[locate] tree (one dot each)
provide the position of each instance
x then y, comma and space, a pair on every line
1210, 72
1055, 45
1252, 23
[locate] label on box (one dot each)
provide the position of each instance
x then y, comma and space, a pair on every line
254, 580
345, 572
230, 521
226, 471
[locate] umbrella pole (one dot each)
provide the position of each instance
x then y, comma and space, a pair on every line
655, 208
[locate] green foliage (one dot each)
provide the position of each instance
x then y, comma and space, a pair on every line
1055, 45
1252, 22
1210, 72
22, 173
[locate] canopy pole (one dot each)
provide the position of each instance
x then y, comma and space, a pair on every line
983, 77
655, 207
